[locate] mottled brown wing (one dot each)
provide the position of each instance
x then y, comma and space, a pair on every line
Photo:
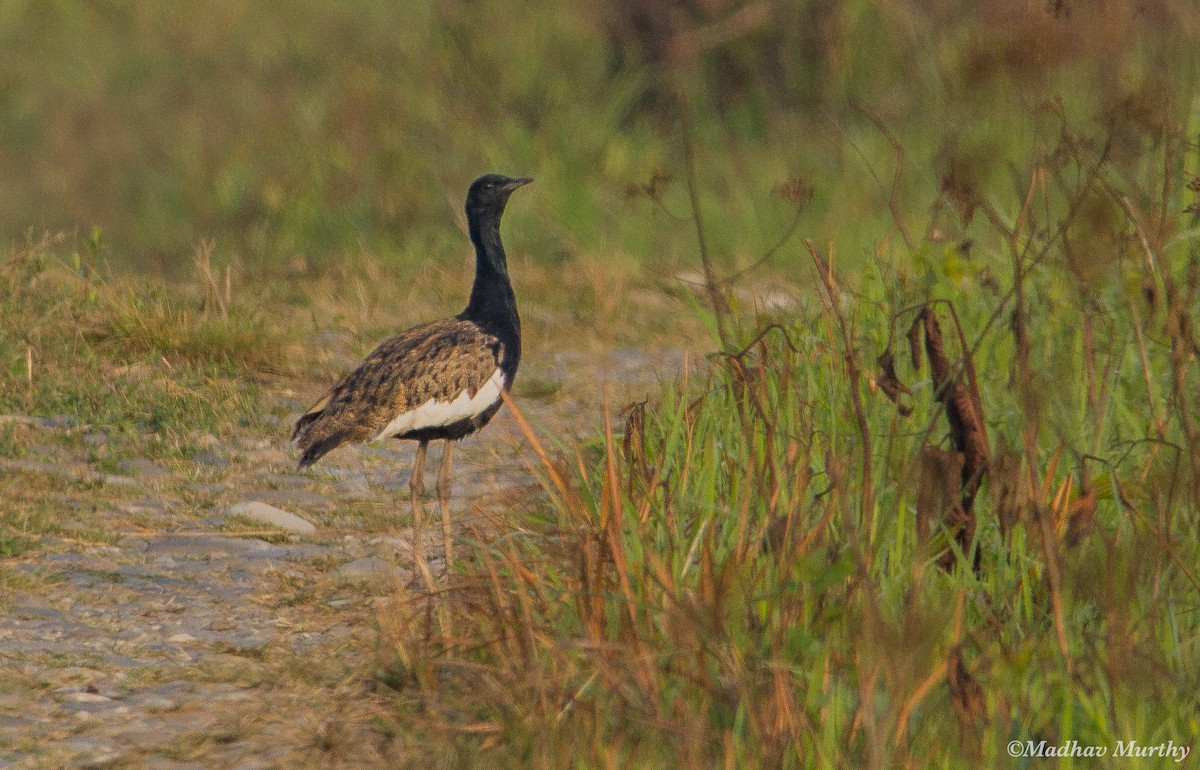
438, 360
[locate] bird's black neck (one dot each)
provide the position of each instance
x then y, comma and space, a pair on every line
493, 305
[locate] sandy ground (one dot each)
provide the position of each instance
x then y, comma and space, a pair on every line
172, 634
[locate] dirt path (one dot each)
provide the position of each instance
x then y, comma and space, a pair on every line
172, 634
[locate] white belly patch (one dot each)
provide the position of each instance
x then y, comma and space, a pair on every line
439, 414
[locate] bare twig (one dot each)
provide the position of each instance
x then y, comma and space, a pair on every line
964, 412
712, 284
766, 257
893, 202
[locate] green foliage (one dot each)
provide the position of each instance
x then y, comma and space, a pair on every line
298, 136
711, 589
122, 354
768, 568
296, 144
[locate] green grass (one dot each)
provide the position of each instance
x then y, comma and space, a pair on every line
125, 352
14, 545
652, 615
111, 367
352, 131
740, 577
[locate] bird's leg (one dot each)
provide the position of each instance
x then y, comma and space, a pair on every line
443, 488
416, 485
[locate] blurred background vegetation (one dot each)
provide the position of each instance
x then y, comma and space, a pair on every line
296, 135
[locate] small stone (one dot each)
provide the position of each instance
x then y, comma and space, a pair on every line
222, 624
205, 546
58, 421
275, 480
20, 419
356, 486
145, 505
140, 467
156, 703
294, 497
181, 638
269, 514
248, 643
366, 567
351, 482
207, 440
234, 697
210, 458
93, 752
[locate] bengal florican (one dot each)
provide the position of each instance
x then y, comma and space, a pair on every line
440, 380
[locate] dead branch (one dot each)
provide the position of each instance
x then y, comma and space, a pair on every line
964, 412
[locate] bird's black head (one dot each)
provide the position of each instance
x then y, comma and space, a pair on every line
489, 194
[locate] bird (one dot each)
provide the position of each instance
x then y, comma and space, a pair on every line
441, 380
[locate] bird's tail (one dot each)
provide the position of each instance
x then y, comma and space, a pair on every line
318, 450
308, 418
314, 436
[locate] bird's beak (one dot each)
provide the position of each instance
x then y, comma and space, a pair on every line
514, 184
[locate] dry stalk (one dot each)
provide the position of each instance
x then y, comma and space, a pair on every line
968, 434
893, 202
711, 283
833, 307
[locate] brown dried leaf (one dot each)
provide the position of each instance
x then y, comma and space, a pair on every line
652, 189
968, 433
914, 343
1007, 489
970, 704
633, 442
938, 489
961, 190
1081, 517
891, 385
795, 190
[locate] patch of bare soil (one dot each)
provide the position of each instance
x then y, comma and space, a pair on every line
172, 632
